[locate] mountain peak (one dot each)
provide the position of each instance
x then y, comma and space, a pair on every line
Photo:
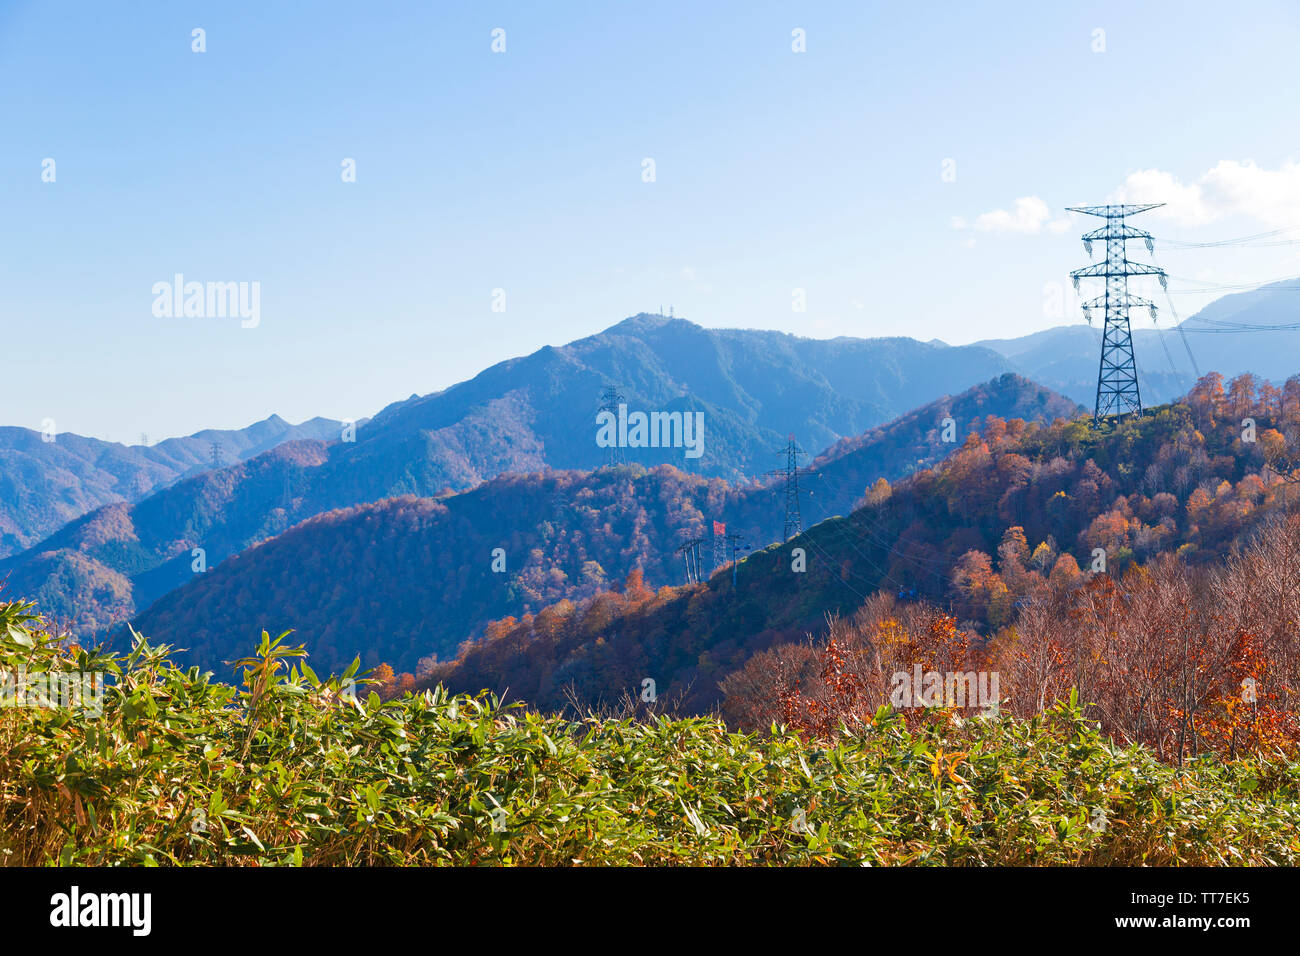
648, 320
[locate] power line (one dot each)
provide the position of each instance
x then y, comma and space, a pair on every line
1206, 287
1182, 335
1253, 240
1253, 328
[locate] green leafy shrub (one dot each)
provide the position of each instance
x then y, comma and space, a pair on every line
292, 769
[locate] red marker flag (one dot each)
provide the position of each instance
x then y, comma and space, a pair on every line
719, 529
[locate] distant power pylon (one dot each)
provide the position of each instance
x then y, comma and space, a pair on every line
1117, 383
791, 475
216, 455
690, 552
610, 399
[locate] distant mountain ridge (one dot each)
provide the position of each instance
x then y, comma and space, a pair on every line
44, 484
1066, 358
498, 421
519, 416
754, 386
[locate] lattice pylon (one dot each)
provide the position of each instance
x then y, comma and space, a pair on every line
1118, 393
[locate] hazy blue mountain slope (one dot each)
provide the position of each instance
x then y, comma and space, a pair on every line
45, 484
1066, 358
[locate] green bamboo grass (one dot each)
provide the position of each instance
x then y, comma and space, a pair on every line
292, 770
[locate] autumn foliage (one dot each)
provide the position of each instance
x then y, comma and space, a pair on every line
1182, 659
846, 678
1016, 519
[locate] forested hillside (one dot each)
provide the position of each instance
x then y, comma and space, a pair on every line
100, 569
522, 415
411, 578
1018, 507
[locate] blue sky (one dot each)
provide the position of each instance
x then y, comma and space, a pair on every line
522, 171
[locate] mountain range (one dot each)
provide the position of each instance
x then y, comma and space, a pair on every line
525, 413
1242, 332
125, 526
518, 416
49, 479
405, 578
1019, 509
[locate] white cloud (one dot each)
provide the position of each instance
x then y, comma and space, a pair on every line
1185, 204
1243, 188
1028, 215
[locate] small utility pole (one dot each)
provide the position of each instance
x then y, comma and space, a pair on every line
734, 540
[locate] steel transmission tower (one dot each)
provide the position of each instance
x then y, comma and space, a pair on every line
610, 399
690, 552
1117, 383
791, 475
